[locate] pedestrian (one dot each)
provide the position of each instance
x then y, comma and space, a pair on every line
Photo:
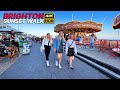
41, 39
4, 37
92, 39
46, 46
36, 40
12, 37
71, 49
81, 41
59, 48
85, 44
17, 42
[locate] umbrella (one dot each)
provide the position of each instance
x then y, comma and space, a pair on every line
116, 24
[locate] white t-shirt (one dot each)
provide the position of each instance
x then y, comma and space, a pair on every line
45, 42
16, 39
92, 39
73, 45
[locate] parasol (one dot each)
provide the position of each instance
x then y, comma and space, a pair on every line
116, 24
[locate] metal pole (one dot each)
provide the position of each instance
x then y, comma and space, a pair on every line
91, 16
72, 16
117, 44
104, 19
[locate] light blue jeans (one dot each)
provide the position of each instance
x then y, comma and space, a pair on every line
91, 44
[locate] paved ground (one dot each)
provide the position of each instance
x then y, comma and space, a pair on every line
33, 67
103, 57
6, 63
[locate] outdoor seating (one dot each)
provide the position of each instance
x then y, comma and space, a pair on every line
13, 52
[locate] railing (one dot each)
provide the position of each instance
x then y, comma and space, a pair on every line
108, 45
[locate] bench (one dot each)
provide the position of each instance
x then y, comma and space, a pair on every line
14, 51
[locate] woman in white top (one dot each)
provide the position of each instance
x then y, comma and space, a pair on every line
46, 46
71, 49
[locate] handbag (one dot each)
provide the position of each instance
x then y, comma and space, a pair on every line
70, 50
42, 49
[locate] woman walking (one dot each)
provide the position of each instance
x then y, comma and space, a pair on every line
46, 45
58, 48
71, 49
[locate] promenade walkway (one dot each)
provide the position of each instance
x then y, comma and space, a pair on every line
33, 66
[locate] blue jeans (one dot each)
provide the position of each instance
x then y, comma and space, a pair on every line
92, 45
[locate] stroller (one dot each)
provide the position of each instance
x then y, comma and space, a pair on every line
26, 49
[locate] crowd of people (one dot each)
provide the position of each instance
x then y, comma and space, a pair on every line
8, 40
60, 42
12, 39
91, 40
58, 45
37, 39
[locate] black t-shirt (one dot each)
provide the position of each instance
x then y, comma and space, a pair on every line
13, 36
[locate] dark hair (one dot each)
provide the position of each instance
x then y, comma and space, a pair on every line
48, 33
92, 34
61, 31
11, 31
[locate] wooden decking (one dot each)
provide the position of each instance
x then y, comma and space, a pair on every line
33, 66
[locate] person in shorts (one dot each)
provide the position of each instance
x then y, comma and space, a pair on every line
71, 49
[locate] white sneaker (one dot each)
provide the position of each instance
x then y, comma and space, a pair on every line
59, 66
71, 66
47, 63
56, 63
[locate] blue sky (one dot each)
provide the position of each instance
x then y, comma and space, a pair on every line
62, 17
